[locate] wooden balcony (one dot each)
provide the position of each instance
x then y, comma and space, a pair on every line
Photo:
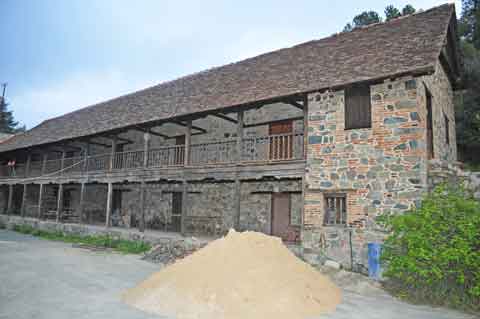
255, 150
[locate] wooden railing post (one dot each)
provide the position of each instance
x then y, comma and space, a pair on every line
146, 148
188, 137
86, 155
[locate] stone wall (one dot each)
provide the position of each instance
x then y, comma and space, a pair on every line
381, 170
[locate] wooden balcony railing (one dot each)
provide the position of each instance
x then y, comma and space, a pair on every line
282, 147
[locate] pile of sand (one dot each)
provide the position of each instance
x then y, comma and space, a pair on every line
243, 275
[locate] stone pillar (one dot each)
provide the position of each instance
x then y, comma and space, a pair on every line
40, 199
146, 148
81, 203
188, 137
112, 153
141, 225
59, 202
24, 200
109, 205
10, 199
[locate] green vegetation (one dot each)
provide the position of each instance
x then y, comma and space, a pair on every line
105, 241
370, 17
433, 252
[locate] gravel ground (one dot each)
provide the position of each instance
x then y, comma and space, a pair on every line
48, 280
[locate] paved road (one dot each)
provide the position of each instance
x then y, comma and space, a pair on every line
48, 280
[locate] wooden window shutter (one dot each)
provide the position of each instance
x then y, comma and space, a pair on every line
358, 110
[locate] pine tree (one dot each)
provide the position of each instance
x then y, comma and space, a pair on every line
391, 13
7, 122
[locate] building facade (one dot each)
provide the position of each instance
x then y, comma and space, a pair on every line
311, 144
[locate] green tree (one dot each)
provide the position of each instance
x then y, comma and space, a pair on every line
408, 9
7, 121
391, 13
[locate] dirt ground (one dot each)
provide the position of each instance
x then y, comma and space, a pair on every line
49, 280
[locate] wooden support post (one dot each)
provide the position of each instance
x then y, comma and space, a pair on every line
81, 203
44, 164
10, 199
85, 157
146, 148
28, 164
112, 153
59, 202
40, 202
184, 207
188, 137
24, 200
62, 162
239, 135
238, 199
109, 205
141, 225
305, 126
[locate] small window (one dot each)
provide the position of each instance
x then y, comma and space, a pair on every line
447, 129
358, 107
335, 209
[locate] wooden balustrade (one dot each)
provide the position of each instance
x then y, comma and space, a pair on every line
166, 156
281, 147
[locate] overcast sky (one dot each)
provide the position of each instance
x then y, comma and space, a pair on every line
59, 56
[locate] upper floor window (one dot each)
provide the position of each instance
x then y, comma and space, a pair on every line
358, 109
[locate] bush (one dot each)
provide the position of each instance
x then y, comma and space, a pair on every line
433, 252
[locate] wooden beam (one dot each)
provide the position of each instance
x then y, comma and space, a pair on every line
152, 132
273, 122
296, 104
81, 203
179, 135
146, 148
193, 126
188, 139
305, 126
227, 118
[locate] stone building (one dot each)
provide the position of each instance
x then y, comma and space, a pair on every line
309, 143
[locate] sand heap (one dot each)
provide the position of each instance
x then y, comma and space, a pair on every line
243, 275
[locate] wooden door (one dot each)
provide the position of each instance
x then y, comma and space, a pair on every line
280, 220
179, 155
176, 222
430, 151
281, 140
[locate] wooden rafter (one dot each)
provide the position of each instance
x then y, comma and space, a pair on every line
296, 104
227, 118
193, 126
274, 121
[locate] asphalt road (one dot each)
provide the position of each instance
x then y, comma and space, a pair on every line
48, 280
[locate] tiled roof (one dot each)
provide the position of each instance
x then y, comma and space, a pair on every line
408, 44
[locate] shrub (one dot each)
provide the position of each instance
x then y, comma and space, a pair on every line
433, 252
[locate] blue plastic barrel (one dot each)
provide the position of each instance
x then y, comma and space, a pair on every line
374, 251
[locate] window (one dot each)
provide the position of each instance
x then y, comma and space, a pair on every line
357, 107
447, 129
335, 209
